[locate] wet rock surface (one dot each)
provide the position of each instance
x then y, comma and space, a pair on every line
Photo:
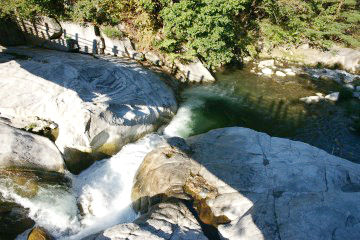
38, 233
253, 186
13, 220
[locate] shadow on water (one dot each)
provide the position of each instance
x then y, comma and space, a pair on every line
272, 105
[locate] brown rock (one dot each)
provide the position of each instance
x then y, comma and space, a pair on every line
39, 233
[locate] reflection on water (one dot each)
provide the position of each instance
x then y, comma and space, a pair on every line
271, 105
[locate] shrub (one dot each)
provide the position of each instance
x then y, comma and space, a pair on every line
216, 31
113, 32
203, 28
30, 9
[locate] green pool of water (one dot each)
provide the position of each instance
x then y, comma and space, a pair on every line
271, 105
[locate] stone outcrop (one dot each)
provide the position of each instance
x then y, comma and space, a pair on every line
346, 58
97, 105
22, 150
35, 125
169, 220
253, 186
194, 72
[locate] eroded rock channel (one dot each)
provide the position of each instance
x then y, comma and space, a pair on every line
99, 118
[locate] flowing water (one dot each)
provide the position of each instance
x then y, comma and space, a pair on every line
100, 196
103, 191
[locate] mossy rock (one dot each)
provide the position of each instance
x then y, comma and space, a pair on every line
39, 233
26, 187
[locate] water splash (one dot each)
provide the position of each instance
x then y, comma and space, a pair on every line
103, 191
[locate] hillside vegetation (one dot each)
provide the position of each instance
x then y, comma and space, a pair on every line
216, 31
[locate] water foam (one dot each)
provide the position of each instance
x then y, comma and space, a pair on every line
195, 98
103, 191
53, 206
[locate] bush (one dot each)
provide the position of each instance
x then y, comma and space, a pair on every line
203, 28
31, 9
216, 31
113, 32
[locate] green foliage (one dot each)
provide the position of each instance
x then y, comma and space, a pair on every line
204, 28
112, 32
322, 22
101, 11
216, 31
30, 9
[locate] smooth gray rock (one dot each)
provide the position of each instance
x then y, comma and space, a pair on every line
347, 58
253, 186
293, 190
195, 72
26, 151
267, 71
165, 221
266, 63
153, 58
99, 105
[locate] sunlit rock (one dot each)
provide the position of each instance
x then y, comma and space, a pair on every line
345, 58
311, 99
289, 72
164, 221
332, 96
194, 72
253, 186
35, 125
153, 58
98, 105
280, 74
26, 151
39, 233
267, 71
266, 63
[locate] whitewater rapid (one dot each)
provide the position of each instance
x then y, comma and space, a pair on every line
103, 191
100, 197
195, 98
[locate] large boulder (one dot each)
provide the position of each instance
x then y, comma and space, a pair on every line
98, 105
22, 150
165, 221
346, 58
194, 72
253, 186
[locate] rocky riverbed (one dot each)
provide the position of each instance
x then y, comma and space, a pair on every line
82, 155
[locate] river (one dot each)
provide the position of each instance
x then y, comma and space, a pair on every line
238, 98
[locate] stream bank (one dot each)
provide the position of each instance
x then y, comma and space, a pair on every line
100, 197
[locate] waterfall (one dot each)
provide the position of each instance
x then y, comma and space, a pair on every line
103, 191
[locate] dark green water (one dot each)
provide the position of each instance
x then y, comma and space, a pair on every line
270, 105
